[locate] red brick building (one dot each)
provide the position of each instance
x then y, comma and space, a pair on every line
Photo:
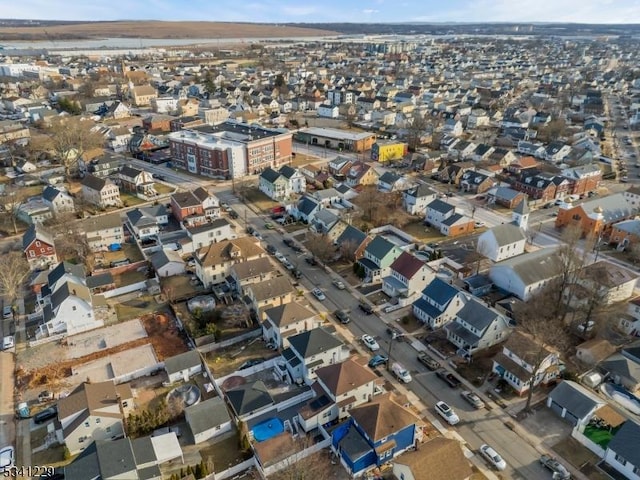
230, 149
583, 179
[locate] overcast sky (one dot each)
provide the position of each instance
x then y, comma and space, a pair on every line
270, 11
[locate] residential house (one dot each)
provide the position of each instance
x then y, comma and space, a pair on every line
340, 166
583, 179
195, 207
104, 166
518, 166
378, 256
167, 263
326, 197
68, 304
476, 182
629, 322
34, 211
143, 95
361, 174
279, 185
202, 235
476, 327
214, 262
625, 233
297, 183
376, 433
102, 232
623, 368
602, 282
439, 459
556, 151
339, 388
324, 220
135, 181
101, 192
506, 240
524, 275
622, 453
408, 276
157, 123
208, 419
573, 402
142, 224
457, 224
181, 367
390, 182
93, 412
306, 208
437, 212
349, 239
596, 217
328, 111
268, 293
439, 303
504, 196
452, 127
57, 200
310, 350
252, 271
535, 186
522, 357
39, 247
416, 199
282, 321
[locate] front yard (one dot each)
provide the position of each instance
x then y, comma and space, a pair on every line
129, 200
259, 200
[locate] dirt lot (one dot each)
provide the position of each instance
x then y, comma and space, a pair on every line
163, 335
259, 200
225, 361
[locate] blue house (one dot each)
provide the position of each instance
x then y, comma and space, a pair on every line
377, 432
438, 304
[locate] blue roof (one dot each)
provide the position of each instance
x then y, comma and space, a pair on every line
440, 291
424, 306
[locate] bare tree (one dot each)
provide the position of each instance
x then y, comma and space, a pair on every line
14, 270
416, 130
321, 247
12, 203
71, 241
69, 138
300, 466
348, 250
537, 318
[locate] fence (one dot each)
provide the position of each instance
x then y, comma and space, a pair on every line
124, 289
232, 341
236, 469
52, 338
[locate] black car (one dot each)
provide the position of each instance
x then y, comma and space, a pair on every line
296, 273
449, 378
296, 248
158, 177
271, 249
251, 363
311, 261
342, 316
288, 242
46, 414
250, 230
366, 308
233, 214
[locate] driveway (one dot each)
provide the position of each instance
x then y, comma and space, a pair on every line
546, 425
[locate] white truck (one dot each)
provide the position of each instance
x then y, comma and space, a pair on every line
401, 373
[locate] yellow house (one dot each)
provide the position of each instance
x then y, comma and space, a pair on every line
385, 151
143, 95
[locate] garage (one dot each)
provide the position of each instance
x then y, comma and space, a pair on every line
573, 402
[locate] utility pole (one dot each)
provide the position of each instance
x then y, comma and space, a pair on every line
390, 347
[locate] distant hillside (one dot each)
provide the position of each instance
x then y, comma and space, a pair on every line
152, 29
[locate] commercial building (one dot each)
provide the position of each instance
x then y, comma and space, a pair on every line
229, 150
385, 151
336, 139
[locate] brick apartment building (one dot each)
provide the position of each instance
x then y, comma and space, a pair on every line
229, 150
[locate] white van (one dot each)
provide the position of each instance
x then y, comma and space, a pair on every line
401, 373
7, 342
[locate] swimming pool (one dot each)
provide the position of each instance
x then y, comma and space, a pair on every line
267, 429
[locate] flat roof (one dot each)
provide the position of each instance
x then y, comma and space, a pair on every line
115, 366
335, 133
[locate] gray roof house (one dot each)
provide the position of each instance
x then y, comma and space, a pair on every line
306, 208
623, 370
324, 220
417, 198
502, 242
622, 453
167, 263
378, 256
208, 419
249, 398
477, 327
438, 303
310, 350
573, 402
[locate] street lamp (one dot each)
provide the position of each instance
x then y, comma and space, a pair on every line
394, 336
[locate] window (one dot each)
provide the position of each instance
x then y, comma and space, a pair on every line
125, 404
98, 420
620, 459
108, 429
73, 308
86, 424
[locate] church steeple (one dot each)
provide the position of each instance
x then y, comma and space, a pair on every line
520, 214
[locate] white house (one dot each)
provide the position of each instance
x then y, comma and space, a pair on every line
506, 240
525, 274
208, 419
58, 201
416, 199
181, 367
310, 350
520, 355
103, 231
215, 231
622, 452
408, 276
214, 261
609, 282
437, 212
328, 111
167, 263
279, 185
439, 303
282, 321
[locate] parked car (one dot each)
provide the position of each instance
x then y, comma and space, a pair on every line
394, 332
233, 214
46, 414
366, 308
342, 316
493, 457
319, 294
370, 342
296, 273
7, 458
339, 284
7, 311
271, 249
311, 261
378, 360
251, 363
280, 257
472, 398
257, 235
428, 362
269, 226
479, 224
45, 396
297, 248
8, 342
449, 378
446, 412
288, 242
401, 373
559, 471
250, 230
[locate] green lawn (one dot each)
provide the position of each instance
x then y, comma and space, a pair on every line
259, 199
129, 200
599, 436
163, 189
136, 307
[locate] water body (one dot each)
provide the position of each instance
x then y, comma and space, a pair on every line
133, 43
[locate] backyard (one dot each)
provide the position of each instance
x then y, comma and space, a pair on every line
259, 200
225, 361
418, 230
599, 436
129, 200
134, 307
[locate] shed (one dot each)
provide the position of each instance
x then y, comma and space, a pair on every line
208, 419
183, 366
167, 263
573, 402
